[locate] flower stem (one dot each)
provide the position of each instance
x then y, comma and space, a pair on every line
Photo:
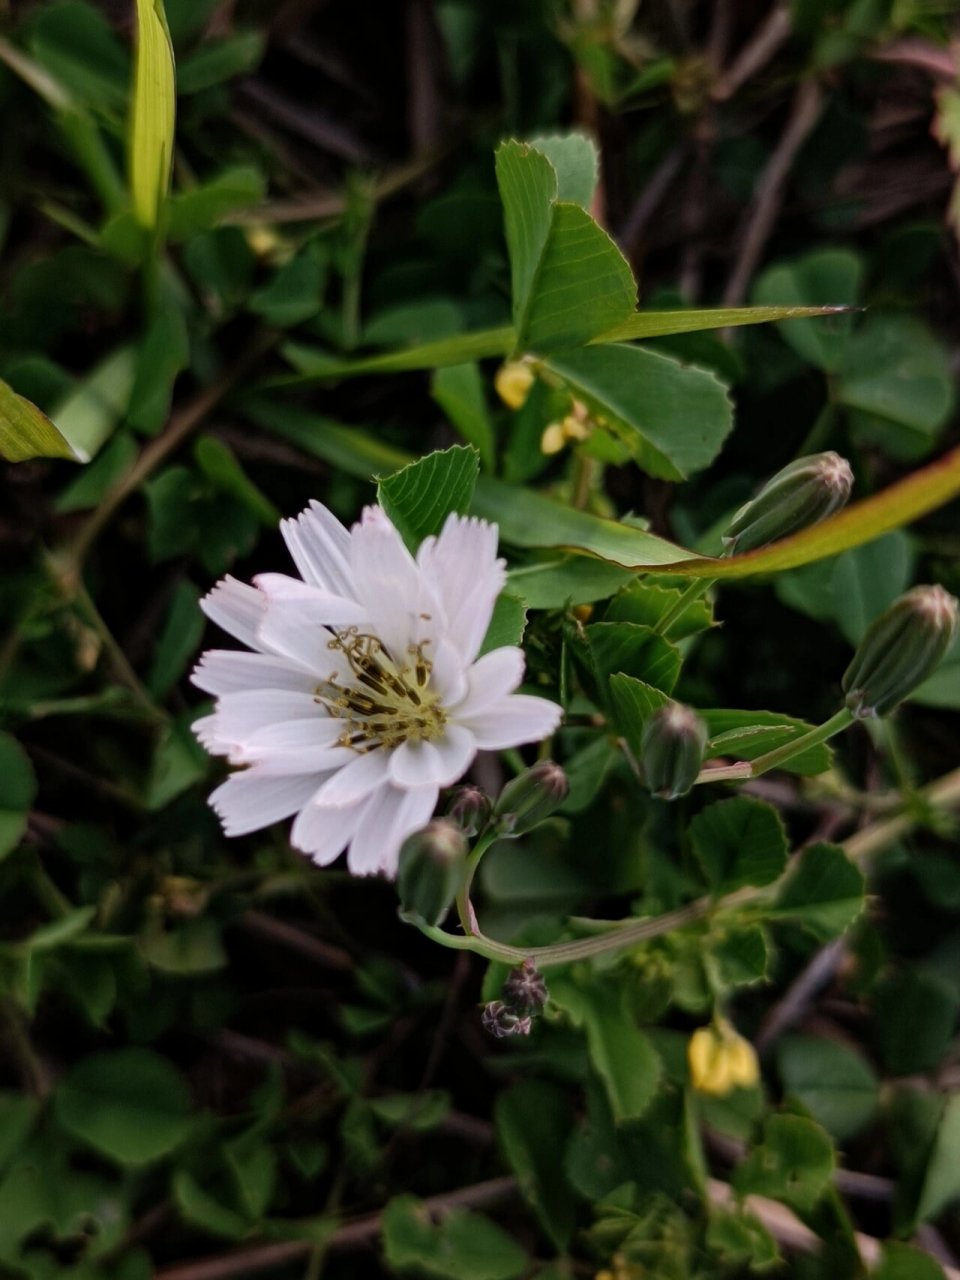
828, 729
464, 910
689, 596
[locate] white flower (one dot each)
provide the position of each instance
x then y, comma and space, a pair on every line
363, 695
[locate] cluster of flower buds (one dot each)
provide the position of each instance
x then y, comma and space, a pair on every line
574, 427
900, 650
721, 1060
431, 871
671, 750
530, 798
523, 997
513, 382
802, 494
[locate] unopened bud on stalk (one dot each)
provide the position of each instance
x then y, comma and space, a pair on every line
530, 798
525, 989
431, 871
720, 1060
901, 648
802, 494
470, 809
502, 1021
671, 750
513, 381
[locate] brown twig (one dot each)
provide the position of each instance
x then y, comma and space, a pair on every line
762, 213
769, 36
305, 944
792, 1006
656, 187
245, 1262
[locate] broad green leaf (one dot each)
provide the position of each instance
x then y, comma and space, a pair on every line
90, 413
89, 485
26, 432
646, 603
189, 947
65, 929
744, 735
823, 890
419, 498
941, 1181
129, 1104
625, 648
201, 1209
461, 1246
219, 464
633, 702
161, 356
836, 274
18, 789
739, 842
569, 280
458, 390
738, 956
152, 113
533, 1124
622, 1055
943, 687
834, 1082
907, 1262
217, 60
296, 291
557, 581
253, 1164
794, 1163
507, 624
673, 417
76, 44
576, 163
209, 204
915, 1018
179, 639
178, 762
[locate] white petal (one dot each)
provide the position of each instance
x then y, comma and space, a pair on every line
319, 606
388, 817
463, 566
324, 833
248, 801
295, 746
355, 780
320, 547
288, 629
433, 764
237, 608
223, 671
448, 671
512, 721
491, 678
387, 582
239, 715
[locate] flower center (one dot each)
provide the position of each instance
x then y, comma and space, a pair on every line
387, 704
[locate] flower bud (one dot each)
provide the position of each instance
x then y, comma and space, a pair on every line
513, 381
671, 750
900, 649
502, 1021
431, 871
803, 493
470, 809
525, 989
720, 1060
529, 799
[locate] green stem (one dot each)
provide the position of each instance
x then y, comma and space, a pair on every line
692, 593
828, 729
463, 897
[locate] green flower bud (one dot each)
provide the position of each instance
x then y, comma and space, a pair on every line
901, 648
431, 872
803, 493
529, 799
470, 809
671, 750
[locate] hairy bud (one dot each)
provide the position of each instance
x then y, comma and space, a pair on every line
470, 809
720, 1060
525, 989
431, 871
530, 798
803, 493
900, 649
513, 381
671, 750
502, 1021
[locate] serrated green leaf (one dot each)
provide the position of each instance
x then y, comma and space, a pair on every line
824, 890
152, 113
576, 163
419, 498
507, 624
739, 842
794, 1163
633, 701
461, 1246
533, 1124
625, 648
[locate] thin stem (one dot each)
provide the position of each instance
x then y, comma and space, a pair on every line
464, 909
689, 596
828, 729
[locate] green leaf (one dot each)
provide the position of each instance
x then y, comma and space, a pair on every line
26, 432
794, 1163
569, 280
77, 45
566, 580
129, 1104
89, 485
507, 624
941, 1181
179, 640
253, 1164
673, 417
661, 324
576, 163
217, 60
906, 1262
461, 1246
458, 390
645, 603
621, 1054
739, 842
91, 412
190, 946
915, 1017
178, 762
419, 498
823, 890
625, 648
162, 355
739, 956
219, 464
18, 789
198, 1207
744, 735
836, 274
153, 112
207, 205
296, 291
50, 936
533, 1124
835, 1083
633, 701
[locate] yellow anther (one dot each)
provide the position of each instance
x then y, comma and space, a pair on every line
720, 1060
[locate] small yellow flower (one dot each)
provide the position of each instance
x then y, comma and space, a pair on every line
553, 439
721, 1060
513, 382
